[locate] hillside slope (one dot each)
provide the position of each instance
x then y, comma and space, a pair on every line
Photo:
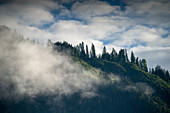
58, 80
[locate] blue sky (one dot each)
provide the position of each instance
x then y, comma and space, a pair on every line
142, 26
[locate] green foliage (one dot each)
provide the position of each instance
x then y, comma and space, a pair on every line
132, 73
161, 73
105, 55
112, 97
143, 65
122, 56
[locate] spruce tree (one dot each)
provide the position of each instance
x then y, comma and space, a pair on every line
93, 51
143, 65
126, 56
87, 51
167, 76
113, 55
82, 51
132, 57
104, 53
137, 62
122, 57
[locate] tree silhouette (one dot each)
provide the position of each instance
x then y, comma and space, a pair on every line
82, 51
143, 65
122, 57
87, 51
104, 53
137, 61
132, 57
93, 51
113, 55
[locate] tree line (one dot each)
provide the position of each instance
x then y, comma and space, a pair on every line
82, 51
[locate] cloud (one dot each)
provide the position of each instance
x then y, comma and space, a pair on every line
29, 13
138, 87
92, 8
156, 13
154, 55
29, 69
143, 23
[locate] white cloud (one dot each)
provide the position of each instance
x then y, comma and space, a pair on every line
32, 70
74, 32
92, 8
100, 21
154, 55
139, 34
150, 12
27, 14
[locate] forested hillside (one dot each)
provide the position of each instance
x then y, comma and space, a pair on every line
62, 78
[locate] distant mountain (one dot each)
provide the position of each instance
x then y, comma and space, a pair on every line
112, 83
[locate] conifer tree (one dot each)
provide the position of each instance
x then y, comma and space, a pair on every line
137, 62
126, 56
143, 65
82, 51
167, 76
132, 57
122, 57
87, 51
104, 53
113, 55
93, 51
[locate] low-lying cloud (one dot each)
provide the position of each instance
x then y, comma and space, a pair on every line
138, 87
31, 69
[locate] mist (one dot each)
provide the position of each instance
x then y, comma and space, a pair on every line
28, 69
137, 87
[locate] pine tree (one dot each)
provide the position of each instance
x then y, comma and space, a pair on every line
78, 50
113, 55
122, 57
82, 51
167, 76
137, 62
132, 57
93, 51
87, 51
162, 73
126, 56
143, 65
104, 53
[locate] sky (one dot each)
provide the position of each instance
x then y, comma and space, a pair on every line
142, 26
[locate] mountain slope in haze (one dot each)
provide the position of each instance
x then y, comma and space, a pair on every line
63, 79
130, 74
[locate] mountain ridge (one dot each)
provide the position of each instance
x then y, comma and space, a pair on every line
124, 87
